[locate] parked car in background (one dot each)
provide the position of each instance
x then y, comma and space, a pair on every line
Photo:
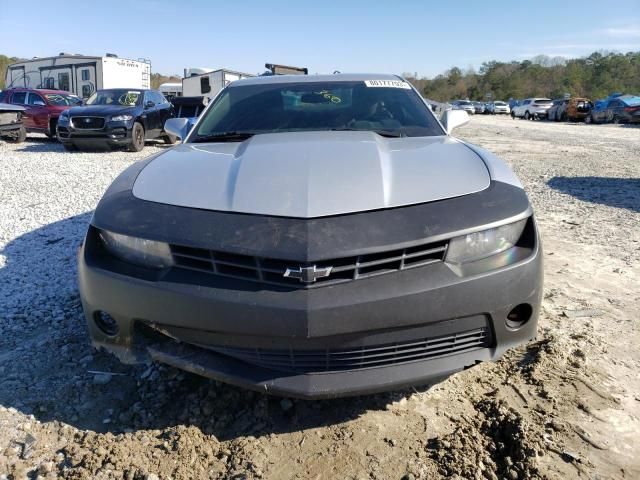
479, 107
558, 108
11, 127
578, 108
41, 107
498, 107
465, 105
532, 108
116, 117
622, 109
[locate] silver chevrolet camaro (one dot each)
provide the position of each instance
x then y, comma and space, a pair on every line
314, 237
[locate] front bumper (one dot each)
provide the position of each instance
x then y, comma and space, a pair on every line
113, 133
190, 322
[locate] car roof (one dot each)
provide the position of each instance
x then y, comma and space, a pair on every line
38, 90
338, 77
128, 88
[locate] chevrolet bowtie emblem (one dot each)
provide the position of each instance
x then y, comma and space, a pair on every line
308, 274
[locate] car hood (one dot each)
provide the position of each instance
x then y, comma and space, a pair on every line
7, 107
101, 110
312, 174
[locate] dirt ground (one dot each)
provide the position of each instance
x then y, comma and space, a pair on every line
564, 406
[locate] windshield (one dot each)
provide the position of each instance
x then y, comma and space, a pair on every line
542, 100
500, 104
318, 106
463, 102
62, 99
120, 96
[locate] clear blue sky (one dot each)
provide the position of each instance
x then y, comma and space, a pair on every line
364, 36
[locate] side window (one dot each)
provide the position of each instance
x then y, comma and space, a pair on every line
526, 102
63, 81
158, 98
85, 74
205, 87
35, 99
49, 82
19, 98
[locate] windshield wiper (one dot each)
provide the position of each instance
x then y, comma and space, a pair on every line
224, 137
382, 133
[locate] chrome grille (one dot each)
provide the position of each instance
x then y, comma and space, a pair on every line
358, 358
272, 271
87, 123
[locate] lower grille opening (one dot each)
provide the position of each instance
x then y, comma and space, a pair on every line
359, 358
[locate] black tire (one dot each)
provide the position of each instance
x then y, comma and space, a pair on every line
513, 115
563, 117
17, 137
527, 115
616, 119
169, 139
70, 147
588, 119
53, 124
137, 138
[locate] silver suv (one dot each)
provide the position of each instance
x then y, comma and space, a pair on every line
532, 108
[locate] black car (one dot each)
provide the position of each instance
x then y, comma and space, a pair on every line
116, 117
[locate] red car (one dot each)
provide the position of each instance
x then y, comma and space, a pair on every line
42, 107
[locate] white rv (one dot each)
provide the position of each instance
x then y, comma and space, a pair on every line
171, 90
80, 74
210, 83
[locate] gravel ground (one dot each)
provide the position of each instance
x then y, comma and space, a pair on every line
564, 406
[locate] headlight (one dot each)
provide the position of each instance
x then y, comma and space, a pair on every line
121, 118
146, 253
64, 115
478, 245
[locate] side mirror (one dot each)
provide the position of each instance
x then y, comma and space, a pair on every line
454, 118
178, 127
149, 104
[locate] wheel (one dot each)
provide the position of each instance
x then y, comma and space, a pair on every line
137, 138
513, 115
588, 119
563, 117
169, 139
70, 147
616, 119
52, 128
527, 115
18, 136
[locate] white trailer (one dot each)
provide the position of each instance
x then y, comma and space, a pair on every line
171, 90
210, 83
80, 74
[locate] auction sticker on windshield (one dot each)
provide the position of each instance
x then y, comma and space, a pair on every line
387, 84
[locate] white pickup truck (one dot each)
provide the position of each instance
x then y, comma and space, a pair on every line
532, 108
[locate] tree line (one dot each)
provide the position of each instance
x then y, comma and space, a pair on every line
595, 76
4, 63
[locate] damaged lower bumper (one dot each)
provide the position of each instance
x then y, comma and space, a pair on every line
382, 333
